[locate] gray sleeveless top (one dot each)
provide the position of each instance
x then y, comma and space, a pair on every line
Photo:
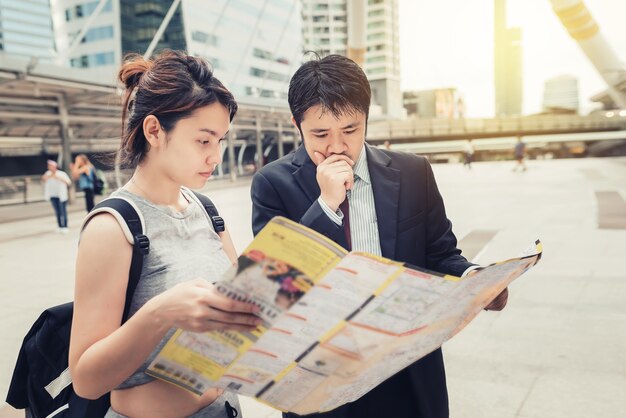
183, 247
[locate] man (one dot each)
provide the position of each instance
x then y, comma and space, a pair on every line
519, 151
365, 199
56, 183
469, 154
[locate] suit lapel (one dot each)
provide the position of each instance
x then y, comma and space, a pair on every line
305, 174
386, 189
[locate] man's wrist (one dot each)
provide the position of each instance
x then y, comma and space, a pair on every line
335, 215
471, 269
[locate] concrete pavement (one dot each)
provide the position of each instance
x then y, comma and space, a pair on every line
556, 351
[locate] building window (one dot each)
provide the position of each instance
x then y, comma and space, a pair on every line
80, 62
204, 38
149, 8
103, 58
256, 92
270, 75
94, 60
375, 25
376, 36
378, 47
321, 18
339, 18
89, 7
380, 58
376, 71
97, 34
257, 72
86, 9
260, 53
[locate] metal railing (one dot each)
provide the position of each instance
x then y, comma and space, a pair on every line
417, 129
20, 189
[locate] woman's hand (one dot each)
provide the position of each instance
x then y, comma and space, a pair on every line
196, 306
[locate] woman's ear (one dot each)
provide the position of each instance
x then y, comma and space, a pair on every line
152, 130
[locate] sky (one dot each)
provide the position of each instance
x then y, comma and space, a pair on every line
449, 43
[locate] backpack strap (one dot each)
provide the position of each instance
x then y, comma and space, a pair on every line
214, 216
131, 220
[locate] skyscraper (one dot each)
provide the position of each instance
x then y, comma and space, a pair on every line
325, 28
254, 46
26, 29
508, 64
560, 94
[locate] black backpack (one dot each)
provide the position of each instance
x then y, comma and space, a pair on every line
99, 183
41, 379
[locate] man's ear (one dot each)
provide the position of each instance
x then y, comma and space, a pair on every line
151, 130
293, 120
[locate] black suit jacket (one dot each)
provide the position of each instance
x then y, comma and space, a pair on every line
413, 228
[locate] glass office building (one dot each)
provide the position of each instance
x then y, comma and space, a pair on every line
26, 29
254, 46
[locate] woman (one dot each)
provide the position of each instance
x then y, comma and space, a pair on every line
84, 172
176, 115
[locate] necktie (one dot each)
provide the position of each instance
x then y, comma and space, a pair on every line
345, 208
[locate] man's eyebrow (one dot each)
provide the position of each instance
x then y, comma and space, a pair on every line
348, 126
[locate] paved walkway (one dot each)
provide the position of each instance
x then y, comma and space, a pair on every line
556, 351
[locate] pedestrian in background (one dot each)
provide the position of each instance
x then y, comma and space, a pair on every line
468, 151
520, 154
84, 172
56, 183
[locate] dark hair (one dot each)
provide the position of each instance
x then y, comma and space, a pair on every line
335, 82
171, 87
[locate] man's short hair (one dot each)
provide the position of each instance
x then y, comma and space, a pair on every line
335, 82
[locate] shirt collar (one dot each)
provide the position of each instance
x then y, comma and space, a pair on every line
361, 170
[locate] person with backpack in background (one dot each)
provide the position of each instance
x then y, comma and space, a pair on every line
84, 172
175, 117
56, 183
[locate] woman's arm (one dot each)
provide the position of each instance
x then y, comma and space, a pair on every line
229, 247
103, 353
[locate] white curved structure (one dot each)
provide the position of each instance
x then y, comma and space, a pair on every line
581, 26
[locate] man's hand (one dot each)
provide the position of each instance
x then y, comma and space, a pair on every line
499, 302
334, 176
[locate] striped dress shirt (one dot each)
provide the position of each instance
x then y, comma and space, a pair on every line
363, 222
